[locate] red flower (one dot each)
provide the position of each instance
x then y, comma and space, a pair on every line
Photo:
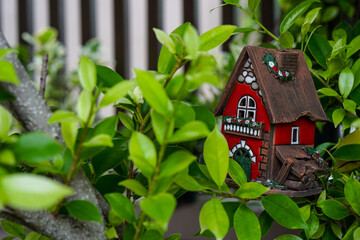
284, 74
317, 155
234, 120
242, 121
274, 68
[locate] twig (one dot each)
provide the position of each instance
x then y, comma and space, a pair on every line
44, 73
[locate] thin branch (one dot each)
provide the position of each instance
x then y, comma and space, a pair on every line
44, 73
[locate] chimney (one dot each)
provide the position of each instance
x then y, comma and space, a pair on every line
287, 60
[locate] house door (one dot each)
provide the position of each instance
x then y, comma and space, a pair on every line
243, 157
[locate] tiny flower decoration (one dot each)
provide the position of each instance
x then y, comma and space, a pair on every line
272, 65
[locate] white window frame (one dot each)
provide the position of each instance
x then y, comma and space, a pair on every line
293, 130
246, 109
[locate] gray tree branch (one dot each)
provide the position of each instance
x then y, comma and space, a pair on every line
32, 112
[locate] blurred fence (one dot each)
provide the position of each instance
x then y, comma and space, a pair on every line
124, 27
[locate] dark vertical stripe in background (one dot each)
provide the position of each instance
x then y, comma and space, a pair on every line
57, 17
267, 18
189, 12
87, 20
228, 17
121, 9
25, 11
154, 21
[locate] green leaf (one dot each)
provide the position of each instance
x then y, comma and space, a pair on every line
313, 225
4, 52
245, 29
284, 211
236, 172
69, 131
253, 4
106, 77
190, 131
111, 157
311, 15
151, 235
134, 186
8, 73
350, 152
122, 206
232, 2
330, 13
111, 233
357, 233
36, 236
161, 126
352, 193
294, 14
83, 210
215, 37
32, 192
175, 163
288, 237
346, 81
13, 229
62, 116
320, 49
333, 209
5, 123
183, 114
216, 156
5, 95
246, 224
329, 92
206, 116
175, 236
188, 183
354, 47
153, 92
102, 140
286, 40
165, 39
126, 120
167, 60
87, 74
195, 80
214, 217
83, 105
251, 190
143, 153
320, 232
116, 92
191, 41
160, 207
265, 223
36, 147
336, 230
338, 115
305, 212
350, 105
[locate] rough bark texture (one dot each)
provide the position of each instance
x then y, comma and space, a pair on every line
32, 112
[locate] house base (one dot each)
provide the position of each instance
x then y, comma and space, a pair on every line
287, 192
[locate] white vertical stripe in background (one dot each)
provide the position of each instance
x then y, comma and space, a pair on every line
172, 14
138, 35
104, 26
207, 19
41, 14
9, 21
72, 33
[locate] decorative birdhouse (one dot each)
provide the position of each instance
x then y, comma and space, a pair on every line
269, 108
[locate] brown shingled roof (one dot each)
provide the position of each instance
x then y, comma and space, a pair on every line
285, 101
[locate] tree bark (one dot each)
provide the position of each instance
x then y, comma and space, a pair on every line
32, 112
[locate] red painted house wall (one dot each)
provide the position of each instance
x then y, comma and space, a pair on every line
239, 91
306, 132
